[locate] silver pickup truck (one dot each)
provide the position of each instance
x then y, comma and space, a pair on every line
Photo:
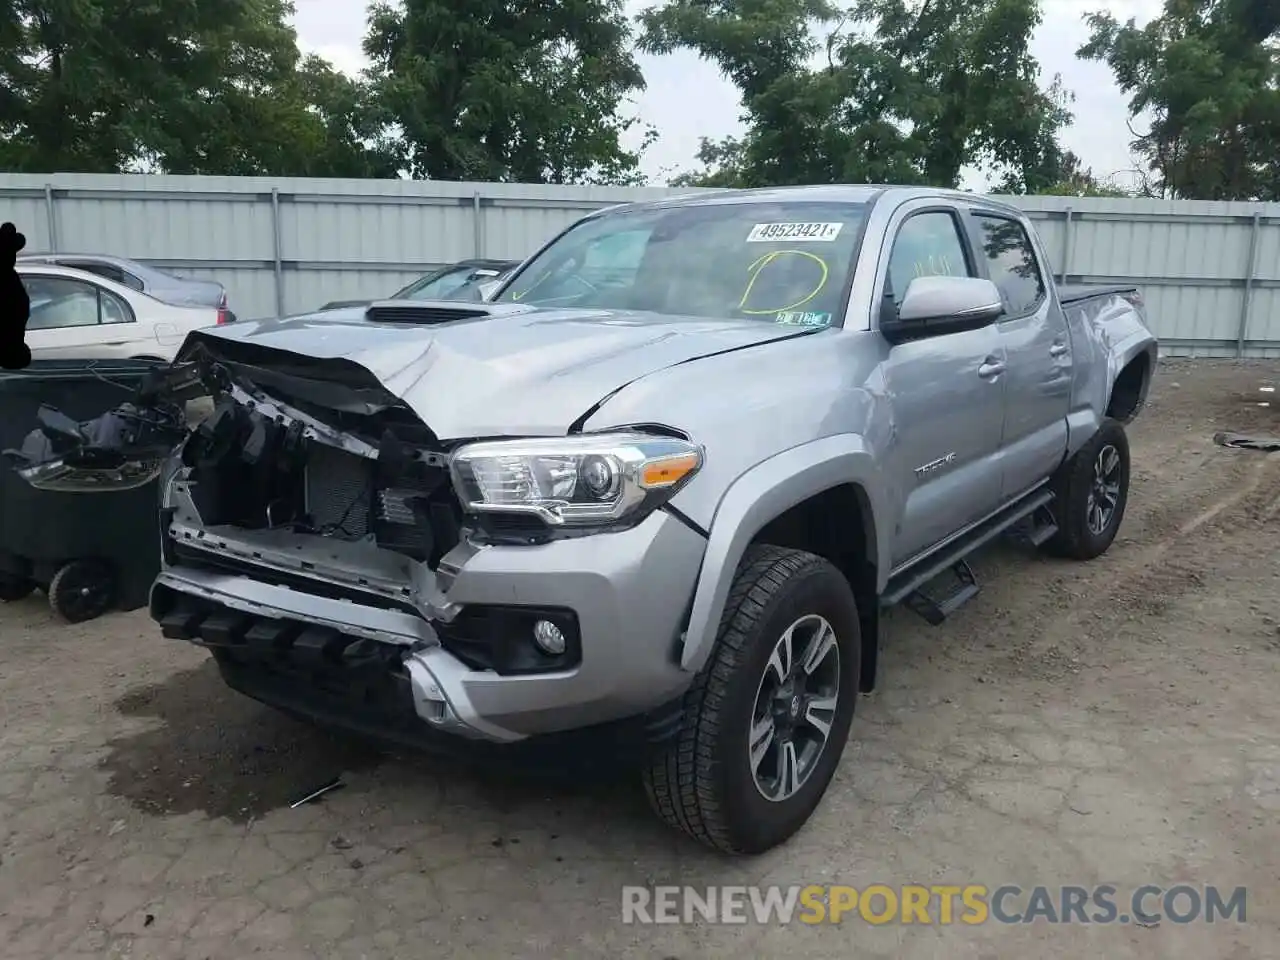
658, 490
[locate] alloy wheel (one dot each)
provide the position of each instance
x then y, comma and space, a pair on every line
795, 707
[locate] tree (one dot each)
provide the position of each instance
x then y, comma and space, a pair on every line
507, 90
907, 92
1207, 73
303, 120
722, 165
1073, 179
177, 86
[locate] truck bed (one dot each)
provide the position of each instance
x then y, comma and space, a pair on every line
1075, 292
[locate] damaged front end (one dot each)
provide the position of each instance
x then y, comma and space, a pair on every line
306, 526
325, 478
344, 563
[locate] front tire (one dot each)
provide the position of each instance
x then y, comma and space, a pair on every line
1091, 492
766, 720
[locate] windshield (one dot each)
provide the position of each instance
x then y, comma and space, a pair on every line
786, 262
435, 286
481, 284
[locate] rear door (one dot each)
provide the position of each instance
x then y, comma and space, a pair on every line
946, 393
74, 318
1037, 349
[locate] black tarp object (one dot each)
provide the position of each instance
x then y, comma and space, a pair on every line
40, 530
1265, 444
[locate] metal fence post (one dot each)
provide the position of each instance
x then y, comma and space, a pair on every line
1066, 246
1246, 303
51, 218
276, 244
477, 223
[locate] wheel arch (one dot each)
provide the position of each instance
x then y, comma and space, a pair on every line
824, 497
1127, 393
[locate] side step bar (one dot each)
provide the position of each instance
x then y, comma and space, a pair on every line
933, 609
1030, 513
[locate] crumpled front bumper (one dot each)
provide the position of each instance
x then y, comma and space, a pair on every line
315, 626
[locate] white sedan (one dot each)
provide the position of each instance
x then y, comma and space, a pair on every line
77, 315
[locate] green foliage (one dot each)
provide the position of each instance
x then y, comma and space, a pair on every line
1086, 188
1073, 179
488, 89
1207, 74
508, 90
180, 86
906, 91
896, 91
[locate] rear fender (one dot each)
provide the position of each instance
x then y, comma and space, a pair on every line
1107, 335
762, 493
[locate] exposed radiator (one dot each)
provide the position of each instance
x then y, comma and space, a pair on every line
339, 488
418, 517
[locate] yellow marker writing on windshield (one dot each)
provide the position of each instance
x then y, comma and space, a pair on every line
758, 267
533, 286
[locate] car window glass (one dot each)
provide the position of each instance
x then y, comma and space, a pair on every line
114, 310
101, 269
614, 259
1011, 261
927, 245
57, 302
783, 262
440, 287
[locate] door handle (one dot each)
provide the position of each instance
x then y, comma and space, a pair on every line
990, 369
1058, 350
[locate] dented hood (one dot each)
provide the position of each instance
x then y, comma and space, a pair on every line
516, 371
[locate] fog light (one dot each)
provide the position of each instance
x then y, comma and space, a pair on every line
549, 638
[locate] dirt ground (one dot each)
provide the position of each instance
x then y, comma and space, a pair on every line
1111, 722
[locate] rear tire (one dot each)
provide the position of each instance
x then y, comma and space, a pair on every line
1091, 491
729, 778
82, 590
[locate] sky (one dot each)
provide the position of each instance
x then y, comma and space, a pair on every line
1099, 134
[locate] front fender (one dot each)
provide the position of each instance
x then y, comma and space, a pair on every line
762, 493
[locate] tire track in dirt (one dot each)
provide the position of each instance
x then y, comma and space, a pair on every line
1190, 482
1144, 584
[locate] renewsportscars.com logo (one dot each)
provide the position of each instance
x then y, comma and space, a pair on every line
968, 904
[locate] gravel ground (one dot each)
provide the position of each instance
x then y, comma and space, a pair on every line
1076, 724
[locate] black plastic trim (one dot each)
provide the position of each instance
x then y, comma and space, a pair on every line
687, 521
499, 637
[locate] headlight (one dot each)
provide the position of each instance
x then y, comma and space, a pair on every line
573, 481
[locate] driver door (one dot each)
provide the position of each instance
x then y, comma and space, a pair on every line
946, 394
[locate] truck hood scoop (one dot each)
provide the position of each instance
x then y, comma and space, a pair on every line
423, 313
514, 371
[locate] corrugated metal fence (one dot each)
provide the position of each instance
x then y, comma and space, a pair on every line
1210, 271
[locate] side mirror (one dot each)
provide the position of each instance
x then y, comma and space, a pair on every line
939, 305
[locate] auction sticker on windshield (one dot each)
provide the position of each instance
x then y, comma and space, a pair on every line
768, 232
803, 318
